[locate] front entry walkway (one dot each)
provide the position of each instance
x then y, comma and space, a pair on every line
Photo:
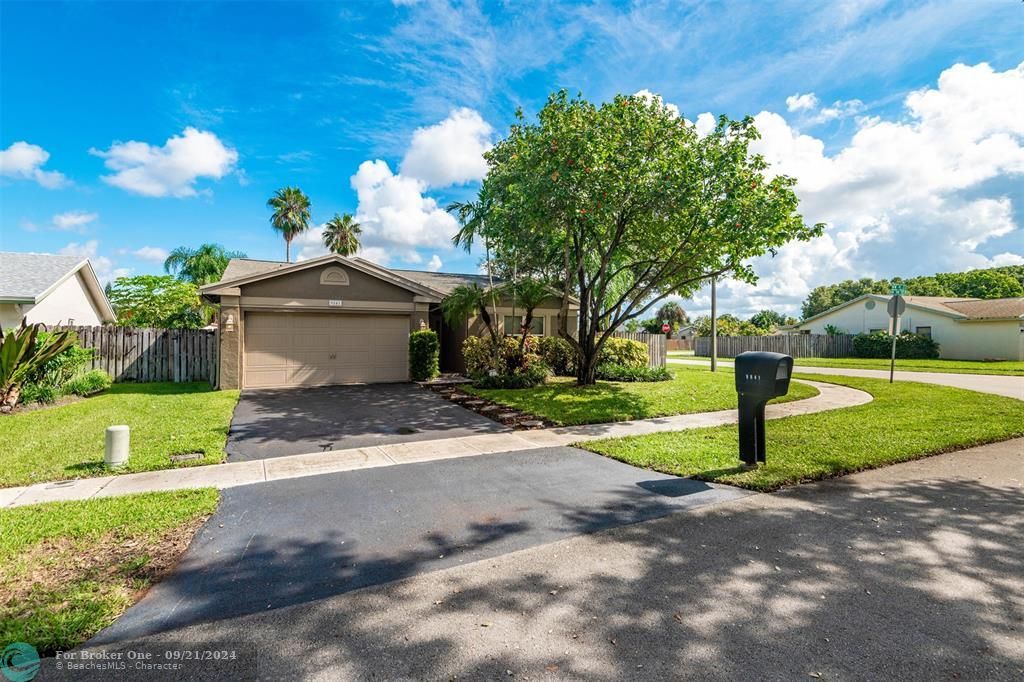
830, 397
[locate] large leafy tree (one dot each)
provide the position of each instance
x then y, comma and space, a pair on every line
672, 313
201, 265
290, 215
341, 235
639, 205
157, 301
768, 319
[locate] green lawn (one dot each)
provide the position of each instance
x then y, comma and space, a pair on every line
1003, 367
693, 389
67, 442
905, 421
68, 569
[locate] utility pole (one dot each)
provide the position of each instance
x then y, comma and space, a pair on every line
714, 326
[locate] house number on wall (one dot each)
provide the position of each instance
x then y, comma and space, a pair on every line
334, 302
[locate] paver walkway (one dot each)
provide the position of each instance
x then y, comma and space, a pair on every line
830, 397
907, 572
997, 384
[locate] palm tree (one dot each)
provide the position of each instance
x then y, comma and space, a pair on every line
472, 216
528, 294
466, 300
291, 215
341, 235
202, 265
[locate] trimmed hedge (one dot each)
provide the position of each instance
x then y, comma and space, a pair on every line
612, 372
625, 352
908, 346
559, 355
424, 355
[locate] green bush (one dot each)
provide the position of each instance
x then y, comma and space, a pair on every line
625, 352
613, 372
908, 346
38, 393
514, 365
88, 383
559, 355
62, 367
424, 355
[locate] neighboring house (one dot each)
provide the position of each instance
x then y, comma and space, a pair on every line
41, 287
337, 320
965, 328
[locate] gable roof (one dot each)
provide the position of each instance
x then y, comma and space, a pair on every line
241, 271
957, 308
445, 282
31, 277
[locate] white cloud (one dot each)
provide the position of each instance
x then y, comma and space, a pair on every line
170, 170
915, 195
24, 161
394, 212
435, 263
104, 267
309, 244
151, 253
800, 102
449, 152
73, 220
649, 96
838, 109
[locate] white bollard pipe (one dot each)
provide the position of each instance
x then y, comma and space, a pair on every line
115, 453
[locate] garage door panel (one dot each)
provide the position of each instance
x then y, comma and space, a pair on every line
309, 349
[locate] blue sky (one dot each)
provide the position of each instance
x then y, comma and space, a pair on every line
256, 96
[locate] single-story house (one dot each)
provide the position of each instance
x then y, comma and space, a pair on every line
42, 287
338, 320
965, 328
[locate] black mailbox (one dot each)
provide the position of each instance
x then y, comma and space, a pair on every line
760, 376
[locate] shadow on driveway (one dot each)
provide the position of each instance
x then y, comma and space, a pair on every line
289, 542
295, 421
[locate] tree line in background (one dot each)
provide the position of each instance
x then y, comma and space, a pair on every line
1003, 282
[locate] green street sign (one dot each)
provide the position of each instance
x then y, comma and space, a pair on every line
898, 289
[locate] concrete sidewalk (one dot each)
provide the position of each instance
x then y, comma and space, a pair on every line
996, 384
907, 572
233, 474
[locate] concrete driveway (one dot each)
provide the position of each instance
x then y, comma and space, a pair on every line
294, 541
296, 421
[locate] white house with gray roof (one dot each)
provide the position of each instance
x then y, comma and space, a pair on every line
965, 328
42, 287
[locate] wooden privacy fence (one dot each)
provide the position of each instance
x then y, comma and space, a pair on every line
679, 344
656, 349
796, 345
143, 354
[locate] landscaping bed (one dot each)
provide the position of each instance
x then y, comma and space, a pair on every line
906, 420
68, 569
502, 414
562, 403
166, 419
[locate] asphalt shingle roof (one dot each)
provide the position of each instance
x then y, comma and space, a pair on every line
27, 275
987, 309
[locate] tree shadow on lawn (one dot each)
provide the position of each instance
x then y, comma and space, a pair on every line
917, 579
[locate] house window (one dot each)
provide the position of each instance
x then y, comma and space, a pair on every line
925, 332
875, 331
514, 325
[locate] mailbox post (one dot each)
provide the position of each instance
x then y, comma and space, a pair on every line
760, 376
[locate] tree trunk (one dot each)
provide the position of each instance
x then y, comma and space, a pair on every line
586, 372
287, 250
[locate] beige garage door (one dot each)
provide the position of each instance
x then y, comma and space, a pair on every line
314, 349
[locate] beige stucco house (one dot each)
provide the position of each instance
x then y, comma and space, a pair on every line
42, 287
965, 328
336, 320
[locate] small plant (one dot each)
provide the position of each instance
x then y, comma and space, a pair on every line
86, 384
625, 352
613, 372
38, 393
424, 355
833, 330
21, 356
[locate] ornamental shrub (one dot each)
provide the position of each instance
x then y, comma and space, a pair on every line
559, 355
625, 352
86, 384
424, 355
59, 369
908, 346
613, 372
512, 366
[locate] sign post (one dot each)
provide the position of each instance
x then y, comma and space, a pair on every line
665, 328
897, 305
